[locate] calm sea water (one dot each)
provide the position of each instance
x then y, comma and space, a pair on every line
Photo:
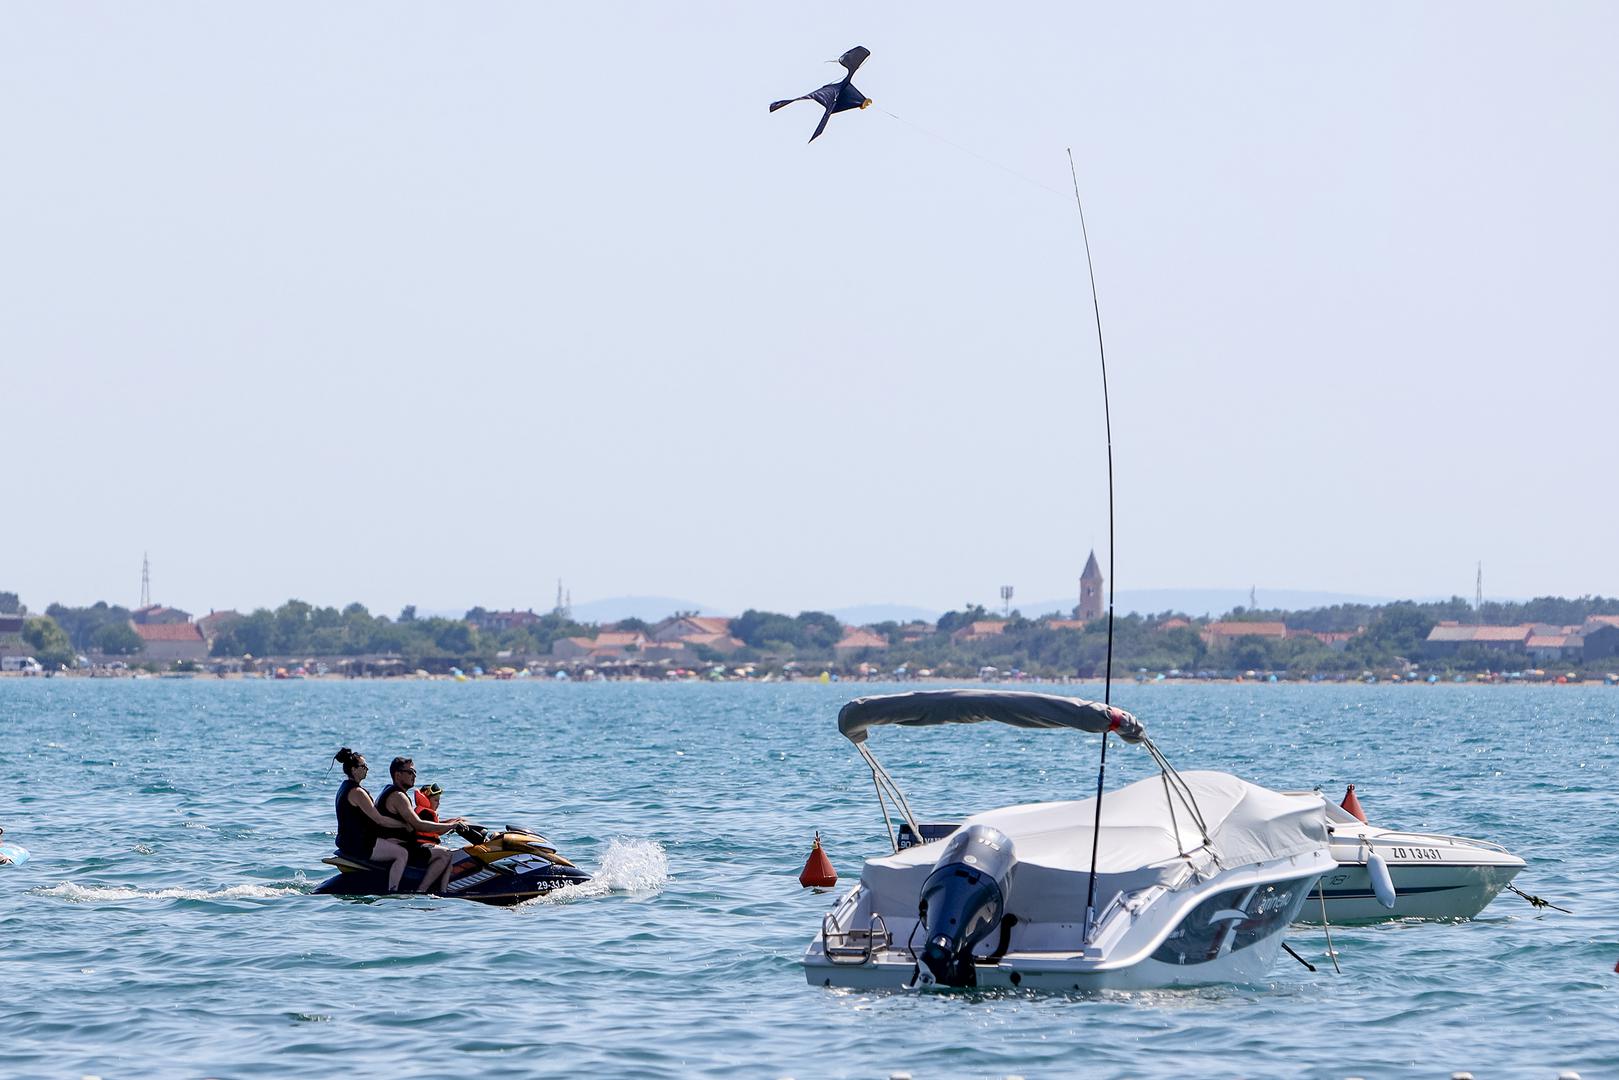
164, 927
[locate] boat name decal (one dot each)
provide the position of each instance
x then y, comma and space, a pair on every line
1417, 853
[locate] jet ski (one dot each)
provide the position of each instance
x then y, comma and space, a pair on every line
505, 867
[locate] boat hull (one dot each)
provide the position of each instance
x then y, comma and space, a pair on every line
1138, 944
1453, 890
1051, 973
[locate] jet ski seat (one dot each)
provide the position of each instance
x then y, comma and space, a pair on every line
347, 862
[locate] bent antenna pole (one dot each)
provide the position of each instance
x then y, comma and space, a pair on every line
1107, 671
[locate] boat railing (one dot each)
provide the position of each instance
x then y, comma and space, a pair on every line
853, 946
1416, 837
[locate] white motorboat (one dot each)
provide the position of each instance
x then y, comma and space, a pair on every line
1424, 875
1180, 879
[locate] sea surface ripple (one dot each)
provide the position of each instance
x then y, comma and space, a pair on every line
164, 925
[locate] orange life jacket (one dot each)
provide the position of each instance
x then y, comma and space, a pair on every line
425, 811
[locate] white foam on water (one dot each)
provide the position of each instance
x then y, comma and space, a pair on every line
627, 866
90, 894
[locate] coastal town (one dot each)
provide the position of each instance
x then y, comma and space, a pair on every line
1550, 639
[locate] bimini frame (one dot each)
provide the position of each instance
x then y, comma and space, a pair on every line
929, 708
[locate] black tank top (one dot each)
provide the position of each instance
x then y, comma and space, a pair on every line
357, 833
402, 832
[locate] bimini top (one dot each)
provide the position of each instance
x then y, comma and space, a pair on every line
925, 708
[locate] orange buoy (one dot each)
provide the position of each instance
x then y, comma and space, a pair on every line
818, 872
1352, 804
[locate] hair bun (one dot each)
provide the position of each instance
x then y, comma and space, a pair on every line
343, 756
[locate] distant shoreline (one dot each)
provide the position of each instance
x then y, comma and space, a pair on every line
1553, 681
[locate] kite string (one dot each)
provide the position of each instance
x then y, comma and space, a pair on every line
970, 152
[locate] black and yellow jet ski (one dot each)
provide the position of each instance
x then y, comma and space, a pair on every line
494, 868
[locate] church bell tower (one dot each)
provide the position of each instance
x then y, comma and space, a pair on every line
1090, 591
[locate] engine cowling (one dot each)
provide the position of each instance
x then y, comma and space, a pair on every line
962, 901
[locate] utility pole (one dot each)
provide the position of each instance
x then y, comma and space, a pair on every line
1006, 600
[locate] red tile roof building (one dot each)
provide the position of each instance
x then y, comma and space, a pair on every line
171, 641
157, 613
1219, 634
688, 627
215, 621
506, 620
978, 631
857, 639
1446, 638
719, 642
572, 648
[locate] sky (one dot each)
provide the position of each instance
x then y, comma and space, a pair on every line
418, 303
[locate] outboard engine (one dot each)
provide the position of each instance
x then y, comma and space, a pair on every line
962, 902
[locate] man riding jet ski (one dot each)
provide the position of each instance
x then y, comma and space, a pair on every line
495, 868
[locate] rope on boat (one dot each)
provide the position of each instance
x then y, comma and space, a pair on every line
1327, 926
1536, 902
1297, 957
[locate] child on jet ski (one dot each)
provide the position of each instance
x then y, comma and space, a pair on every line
427, 798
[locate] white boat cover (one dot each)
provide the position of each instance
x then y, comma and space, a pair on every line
1019, 708
1141, 844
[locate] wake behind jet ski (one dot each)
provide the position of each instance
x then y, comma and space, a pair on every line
494, 868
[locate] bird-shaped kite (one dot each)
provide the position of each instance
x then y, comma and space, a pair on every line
839, 96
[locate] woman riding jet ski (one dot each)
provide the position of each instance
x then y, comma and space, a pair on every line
495, 868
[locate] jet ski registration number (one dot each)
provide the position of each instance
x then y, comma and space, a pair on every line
1416, 853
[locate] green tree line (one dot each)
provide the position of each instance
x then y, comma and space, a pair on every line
1392, 633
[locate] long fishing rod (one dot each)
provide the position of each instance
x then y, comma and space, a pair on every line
1107, 672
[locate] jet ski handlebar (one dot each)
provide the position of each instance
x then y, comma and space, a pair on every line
473, 834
